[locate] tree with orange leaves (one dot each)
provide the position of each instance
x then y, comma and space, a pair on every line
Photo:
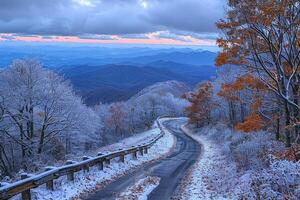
263, 37
234, 93
254, 121
201, 104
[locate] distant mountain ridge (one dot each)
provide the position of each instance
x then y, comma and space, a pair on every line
191, 58
107, 83
61, 56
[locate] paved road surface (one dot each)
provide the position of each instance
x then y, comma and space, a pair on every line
170, 169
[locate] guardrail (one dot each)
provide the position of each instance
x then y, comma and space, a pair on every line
29, 182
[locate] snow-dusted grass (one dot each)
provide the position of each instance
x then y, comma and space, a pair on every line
140, 138
206, 179
239, 166
141, 189
135, 140
87, 181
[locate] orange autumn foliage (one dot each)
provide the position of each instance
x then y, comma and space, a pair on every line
221, 59
249, 81
230, 91
245, 24
201, 104
289, 153
252, 123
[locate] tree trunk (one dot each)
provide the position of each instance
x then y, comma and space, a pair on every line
296, 113
277, 128
22, 141
242, 112
41, 143
287, 124
5, 161
31, 125
231, 114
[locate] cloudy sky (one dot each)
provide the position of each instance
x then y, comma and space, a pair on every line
189, 22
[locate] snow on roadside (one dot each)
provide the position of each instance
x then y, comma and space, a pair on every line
212, 177
140, 190
125, 143
87, 181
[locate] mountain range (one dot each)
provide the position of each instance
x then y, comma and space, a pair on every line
107, 74
67, 55
117, 82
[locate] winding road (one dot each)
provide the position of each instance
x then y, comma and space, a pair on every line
171, 169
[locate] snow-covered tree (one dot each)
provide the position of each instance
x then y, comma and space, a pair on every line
41, 113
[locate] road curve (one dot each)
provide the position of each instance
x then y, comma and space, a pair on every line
171, 169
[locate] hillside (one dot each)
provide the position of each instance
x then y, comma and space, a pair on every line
177, 89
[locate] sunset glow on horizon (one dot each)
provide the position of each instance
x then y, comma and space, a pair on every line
151, 39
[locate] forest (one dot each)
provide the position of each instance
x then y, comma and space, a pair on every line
43, 121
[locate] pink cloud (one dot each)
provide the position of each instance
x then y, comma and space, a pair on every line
153, 39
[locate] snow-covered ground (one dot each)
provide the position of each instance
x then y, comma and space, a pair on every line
140, 190
211, 165
238, 166
95, 178
130, 141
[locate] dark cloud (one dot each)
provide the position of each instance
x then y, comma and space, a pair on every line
111, 17
187, 15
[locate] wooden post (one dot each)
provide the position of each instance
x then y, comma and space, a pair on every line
50, 183
122, 157
70, 175
101, 161
86, 167
141, 150
107, 160
26, 194
101, 165
146, 150
134, 153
